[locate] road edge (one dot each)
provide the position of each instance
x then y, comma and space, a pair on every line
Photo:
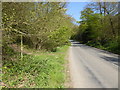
68, 82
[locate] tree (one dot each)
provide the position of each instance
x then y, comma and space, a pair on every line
99, 25
36, 22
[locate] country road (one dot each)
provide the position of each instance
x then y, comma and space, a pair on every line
91, 67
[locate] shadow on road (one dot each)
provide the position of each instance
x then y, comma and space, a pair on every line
112, 58
78, 44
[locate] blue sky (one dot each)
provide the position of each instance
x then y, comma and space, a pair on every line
74, 9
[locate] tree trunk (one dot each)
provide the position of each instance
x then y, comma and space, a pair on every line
110, 19
100, 8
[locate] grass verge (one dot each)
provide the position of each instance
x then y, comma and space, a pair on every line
44, 70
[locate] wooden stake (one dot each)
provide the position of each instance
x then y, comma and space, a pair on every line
21, 47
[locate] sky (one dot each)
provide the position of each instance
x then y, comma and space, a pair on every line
74, 9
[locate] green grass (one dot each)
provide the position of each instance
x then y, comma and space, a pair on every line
44, 70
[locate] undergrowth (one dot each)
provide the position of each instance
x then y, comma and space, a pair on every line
44, 70
112, 46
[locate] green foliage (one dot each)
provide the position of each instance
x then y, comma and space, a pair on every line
99, 29
36, 22
114, 46
43, 26
45, 70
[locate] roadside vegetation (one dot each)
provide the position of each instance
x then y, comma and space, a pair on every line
35, 39
40, 70
35, 36
99, 26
